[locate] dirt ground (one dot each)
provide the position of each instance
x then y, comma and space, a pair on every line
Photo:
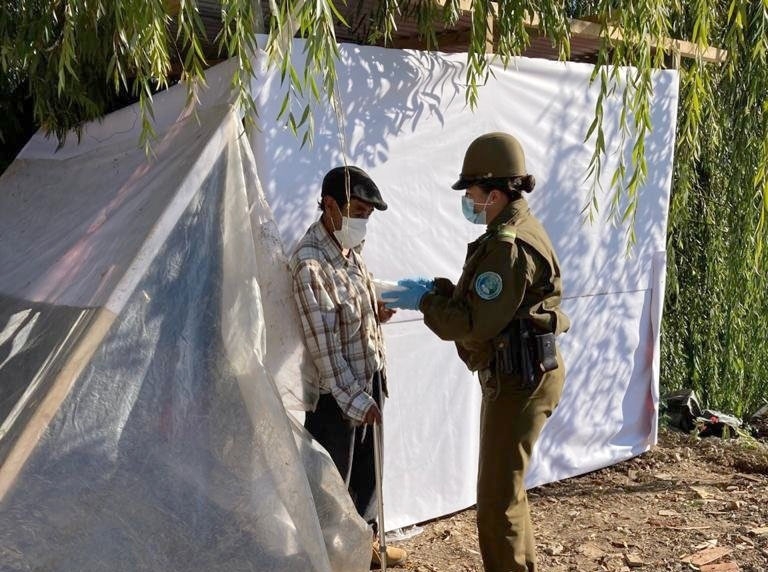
687, 504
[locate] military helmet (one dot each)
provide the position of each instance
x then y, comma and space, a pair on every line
491, 156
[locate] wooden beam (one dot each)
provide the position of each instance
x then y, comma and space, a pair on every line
685, 49
449, 37
172, 7
593, 30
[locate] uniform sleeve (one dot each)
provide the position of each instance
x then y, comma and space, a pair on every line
320, 324
473, 318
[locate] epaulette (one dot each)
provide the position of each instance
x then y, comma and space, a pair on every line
506, 233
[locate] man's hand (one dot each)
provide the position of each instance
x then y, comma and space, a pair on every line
373, 415
384, 313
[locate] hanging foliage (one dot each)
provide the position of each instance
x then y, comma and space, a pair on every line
75, 59
714, 334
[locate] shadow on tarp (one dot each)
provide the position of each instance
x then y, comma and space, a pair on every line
371, 119
614, 404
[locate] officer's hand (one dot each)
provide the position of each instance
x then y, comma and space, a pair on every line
409, 293
444, 287
384, 313
373, 415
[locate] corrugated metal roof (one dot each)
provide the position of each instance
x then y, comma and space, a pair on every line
584, 43
453, 39
359, 17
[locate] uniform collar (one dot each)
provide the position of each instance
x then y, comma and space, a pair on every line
512, 213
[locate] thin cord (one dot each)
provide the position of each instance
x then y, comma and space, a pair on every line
338, 111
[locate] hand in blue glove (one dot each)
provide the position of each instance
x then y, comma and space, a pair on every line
410, 293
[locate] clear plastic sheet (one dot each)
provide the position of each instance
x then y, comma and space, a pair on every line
158, 438
33, 338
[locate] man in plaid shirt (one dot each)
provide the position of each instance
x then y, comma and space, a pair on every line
341, 319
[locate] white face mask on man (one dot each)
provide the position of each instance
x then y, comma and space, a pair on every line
352, 232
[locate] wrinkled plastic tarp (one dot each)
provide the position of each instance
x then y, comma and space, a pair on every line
142, 427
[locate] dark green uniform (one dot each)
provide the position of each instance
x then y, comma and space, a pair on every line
511, 272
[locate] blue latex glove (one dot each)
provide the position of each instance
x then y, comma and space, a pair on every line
426, 282
408, 298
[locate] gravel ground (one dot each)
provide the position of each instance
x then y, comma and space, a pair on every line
687, 504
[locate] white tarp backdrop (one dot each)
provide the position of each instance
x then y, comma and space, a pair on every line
405, 121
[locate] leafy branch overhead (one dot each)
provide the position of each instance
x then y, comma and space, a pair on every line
67, 62
80, 58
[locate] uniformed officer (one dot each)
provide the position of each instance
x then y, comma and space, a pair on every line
503, 314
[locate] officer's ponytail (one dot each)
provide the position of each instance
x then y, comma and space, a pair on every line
513, 187
522, 184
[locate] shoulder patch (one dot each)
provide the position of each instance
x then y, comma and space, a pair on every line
488, 285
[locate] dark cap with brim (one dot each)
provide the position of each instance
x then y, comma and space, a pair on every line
361, 186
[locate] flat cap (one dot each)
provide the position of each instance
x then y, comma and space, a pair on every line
361, 186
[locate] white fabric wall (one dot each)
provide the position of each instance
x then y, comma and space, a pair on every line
406, 123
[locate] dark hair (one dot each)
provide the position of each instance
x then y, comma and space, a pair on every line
513, 187
341, 201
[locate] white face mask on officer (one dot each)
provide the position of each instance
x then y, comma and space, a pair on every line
352, 232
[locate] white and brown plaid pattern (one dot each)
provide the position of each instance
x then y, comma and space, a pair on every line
337, 306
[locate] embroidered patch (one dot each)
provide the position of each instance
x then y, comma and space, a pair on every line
488, 285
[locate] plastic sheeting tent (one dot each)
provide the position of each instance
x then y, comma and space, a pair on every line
147, 337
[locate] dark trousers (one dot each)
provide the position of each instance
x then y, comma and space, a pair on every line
335, 433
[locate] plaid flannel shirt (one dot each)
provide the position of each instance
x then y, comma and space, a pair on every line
337, 306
